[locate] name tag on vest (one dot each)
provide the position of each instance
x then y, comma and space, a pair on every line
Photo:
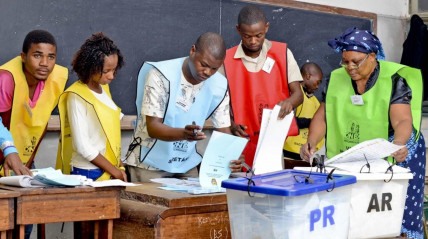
269, 63
357, 100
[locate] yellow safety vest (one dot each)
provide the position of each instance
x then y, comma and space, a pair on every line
306, 110
28, 124
109, 120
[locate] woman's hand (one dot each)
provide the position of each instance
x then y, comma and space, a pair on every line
306, 152
400, 155
13, 162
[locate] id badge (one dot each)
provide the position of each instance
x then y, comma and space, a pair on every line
182, 104
357, 100
269, 63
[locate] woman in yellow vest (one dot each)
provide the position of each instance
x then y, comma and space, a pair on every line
90, 120
369, 98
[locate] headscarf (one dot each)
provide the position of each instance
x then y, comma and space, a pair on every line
354, 39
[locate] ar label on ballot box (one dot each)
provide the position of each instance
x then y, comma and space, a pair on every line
377, 208
380, 205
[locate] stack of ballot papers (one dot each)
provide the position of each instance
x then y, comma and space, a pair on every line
273, 132
221, 149
372, 152
49, 177
189, 185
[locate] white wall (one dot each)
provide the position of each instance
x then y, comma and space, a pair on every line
392, 20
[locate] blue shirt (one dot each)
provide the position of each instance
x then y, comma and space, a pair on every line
6, 141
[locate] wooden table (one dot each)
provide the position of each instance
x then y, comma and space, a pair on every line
7, 210
149, 212
68, 204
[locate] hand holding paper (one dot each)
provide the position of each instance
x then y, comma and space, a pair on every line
221, 149
273, 132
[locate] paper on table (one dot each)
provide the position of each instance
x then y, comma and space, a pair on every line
185, 185
44, 177
111, 182
49, 177
221, 149
371, 151
271, 141
24, 181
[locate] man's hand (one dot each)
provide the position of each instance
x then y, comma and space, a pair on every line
193, 132
239, 130
286, 108
13, 162
236, 165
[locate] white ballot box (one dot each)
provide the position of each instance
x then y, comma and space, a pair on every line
289, 204
377, 204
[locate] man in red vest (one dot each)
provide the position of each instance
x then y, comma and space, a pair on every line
261, 74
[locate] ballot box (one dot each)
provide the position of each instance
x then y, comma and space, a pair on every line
377, 203
289, 204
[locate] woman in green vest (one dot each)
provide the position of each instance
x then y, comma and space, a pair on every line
371, 98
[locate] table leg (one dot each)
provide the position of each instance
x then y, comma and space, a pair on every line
96, 229
110, 229
21, 232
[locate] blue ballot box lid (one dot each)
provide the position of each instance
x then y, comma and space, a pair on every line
289, 182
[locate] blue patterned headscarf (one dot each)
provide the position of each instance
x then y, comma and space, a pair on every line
354, 39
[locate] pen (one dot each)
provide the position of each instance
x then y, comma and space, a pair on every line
195, 131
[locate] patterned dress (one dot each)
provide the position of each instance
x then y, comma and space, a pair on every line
412, 225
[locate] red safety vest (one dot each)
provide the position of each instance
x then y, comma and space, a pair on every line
251, 92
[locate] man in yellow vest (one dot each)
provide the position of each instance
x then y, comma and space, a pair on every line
312, 76
30, 85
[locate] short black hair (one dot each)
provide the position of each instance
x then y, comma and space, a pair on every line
308, 65
213, 43
89, 59
250, 15
36, 37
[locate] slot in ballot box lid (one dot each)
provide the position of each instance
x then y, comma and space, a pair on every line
365, 175
289, 182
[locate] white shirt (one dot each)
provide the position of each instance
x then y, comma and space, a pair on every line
87, 134
256, 64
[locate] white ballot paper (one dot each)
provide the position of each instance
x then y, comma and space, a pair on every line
371, 151
49, 177
273, 132
221, 149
